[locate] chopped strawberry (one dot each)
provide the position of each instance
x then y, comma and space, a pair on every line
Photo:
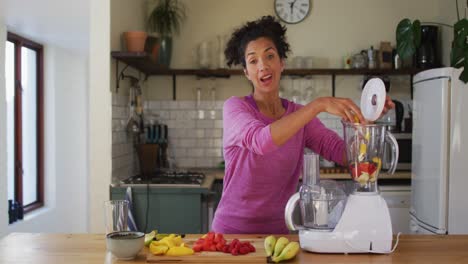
252, 248
197, 247
226, 249
210, 236
212, 247
235, 251
219, 247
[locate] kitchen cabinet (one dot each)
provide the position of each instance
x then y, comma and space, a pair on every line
143, 62
167, 209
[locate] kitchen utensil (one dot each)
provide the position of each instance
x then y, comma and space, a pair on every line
203, 54
399, 113
125, 245
310, 169
364, 151
359, 60
115, 215
163, 146
149, 158
427, 53
373, 99
133, 125
321, 206
365, 225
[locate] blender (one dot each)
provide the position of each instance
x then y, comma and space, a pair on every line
364, 225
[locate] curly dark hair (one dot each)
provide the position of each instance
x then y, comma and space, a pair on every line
267, 27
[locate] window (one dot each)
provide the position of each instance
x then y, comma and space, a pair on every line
25, 122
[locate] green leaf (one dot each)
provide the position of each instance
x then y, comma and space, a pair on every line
408, 36
464, 74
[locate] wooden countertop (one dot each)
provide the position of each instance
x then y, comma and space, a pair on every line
91, 248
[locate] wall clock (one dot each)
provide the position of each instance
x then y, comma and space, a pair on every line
292, 11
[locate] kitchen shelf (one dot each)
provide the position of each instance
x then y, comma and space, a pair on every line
143, 62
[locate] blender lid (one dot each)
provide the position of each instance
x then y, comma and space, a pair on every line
373, 99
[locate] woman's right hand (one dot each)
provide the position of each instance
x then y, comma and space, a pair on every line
342, 107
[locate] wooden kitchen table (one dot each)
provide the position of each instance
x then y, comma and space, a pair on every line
91, 248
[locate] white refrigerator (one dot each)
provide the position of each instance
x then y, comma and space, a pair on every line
439, 171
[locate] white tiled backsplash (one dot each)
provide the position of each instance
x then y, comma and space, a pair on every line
195, 133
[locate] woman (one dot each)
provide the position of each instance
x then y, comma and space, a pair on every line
264, 135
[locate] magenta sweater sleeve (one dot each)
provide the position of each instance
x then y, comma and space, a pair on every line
324, 141
243, 129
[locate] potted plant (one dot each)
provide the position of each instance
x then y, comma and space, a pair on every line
408, 38
165, 18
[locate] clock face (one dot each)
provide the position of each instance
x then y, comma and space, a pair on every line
292, 11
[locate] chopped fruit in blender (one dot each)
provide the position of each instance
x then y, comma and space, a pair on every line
378, 162
363, 172
362, 151
363, 178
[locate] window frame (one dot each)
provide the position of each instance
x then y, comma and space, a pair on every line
20, 42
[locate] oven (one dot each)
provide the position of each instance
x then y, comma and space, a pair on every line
404, 141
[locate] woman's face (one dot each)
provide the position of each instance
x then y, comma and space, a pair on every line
263, 65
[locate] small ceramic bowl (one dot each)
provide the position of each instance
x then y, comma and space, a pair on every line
125, 244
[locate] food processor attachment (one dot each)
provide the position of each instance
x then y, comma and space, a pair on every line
321, 206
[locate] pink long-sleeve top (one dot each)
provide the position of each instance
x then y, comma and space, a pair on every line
260, 176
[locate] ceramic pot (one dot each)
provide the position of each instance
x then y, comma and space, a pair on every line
135, 40
165, 51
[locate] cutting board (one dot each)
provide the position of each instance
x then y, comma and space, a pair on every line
259, 256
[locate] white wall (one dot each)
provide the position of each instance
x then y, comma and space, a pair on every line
3, 118
66, 100
99, 113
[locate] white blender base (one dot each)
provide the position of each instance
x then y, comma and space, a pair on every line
364, 227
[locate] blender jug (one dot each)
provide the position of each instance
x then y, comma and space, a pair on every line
364, 151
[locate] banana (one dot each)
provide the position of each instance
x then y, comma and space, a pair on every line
270, 242
289, 252
280, 244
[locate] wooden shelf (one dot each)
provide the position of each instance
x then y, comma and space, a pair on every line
143, 62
